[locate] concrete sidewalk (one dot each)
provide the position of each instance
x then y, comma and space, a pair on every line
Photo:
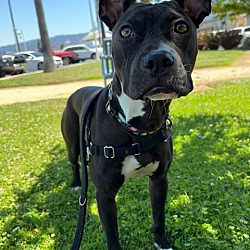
38, 93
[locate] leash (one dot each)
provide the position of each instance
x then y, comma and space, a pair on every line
86, 112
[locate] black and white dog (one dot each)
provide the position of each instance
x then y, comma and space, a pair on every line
154, 52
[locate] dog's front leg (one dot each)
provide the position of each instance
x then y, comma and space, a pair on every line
108, 215
158, 188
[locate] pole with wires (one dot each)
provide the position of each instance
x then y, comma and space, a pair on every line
94, 30
14, 27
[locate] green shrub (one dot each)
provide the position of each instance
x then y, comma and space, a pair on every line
208, 41
230, 39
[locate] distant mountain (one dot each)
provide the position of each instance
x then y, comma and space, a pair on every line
56, 42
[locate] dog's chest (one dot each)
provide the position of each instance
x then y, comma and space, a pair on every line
132, 168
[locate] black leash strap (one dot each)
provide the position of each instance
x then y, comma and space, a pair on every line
83, 151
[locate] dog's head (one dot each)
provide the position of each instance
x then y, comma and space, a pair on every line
154, 46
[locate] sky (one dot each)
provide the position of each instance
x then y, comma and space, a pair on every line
62, 17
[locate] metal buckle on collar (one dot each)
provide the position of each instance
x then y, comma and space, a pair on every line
136, 146
107, 150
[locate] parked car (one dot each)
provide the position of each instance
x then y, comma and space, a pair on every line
244, 31
68, 57
11, 65
84, 52
35, 60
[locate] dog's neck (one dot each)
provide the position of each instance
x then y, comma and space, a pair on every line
143, 115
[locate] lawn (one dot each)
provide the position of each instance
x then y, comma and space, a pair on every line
92, 71
209, 181
81, 72
217, 58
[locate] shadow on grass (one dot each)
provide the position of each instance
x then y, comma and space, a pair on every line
208, 205
47, 213
209, 182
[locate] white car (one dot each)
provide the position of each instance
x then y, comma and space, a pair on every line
35, 60
84, 52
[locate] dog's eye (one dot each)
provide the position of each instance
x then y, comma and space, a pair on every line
181, 28
126, 32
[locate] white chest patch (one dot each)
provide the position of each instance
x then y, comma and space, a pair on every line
131, 108
159, 248
132, 168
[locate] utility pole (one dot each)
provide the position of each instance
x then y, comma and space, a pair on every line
94, 30
21, 36
14, 27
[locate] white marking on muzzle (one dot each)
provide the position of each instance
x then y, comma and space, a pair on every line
163, 96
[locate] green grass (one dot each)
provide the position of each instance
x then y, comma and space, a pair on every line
209, 182
81, 72
217, 58
92, 71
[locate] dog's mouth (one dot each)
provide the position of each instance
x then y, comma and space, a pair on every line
160, 94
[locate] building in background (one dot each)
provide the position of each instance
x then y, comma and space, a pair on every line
90, 38
213, 24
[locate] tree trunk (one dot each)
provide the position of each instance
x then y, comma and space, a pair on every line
49, 65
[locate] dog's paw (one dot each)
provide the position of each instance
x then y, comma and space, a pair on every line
77, 188
159, 248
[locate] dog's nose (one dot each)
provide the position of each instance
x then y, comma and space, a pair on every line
157, 62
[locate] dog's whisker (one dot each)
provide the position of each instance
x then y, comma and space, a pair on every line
165, 109
151, 111
186, 65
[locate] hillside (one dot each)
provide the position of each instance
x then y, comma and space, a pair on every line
56, 43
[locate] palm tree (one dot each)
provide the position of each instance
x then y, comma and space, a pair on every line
49, 65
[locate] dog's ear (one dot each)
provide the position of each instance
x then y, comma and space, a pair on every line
111, 10
197, 10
